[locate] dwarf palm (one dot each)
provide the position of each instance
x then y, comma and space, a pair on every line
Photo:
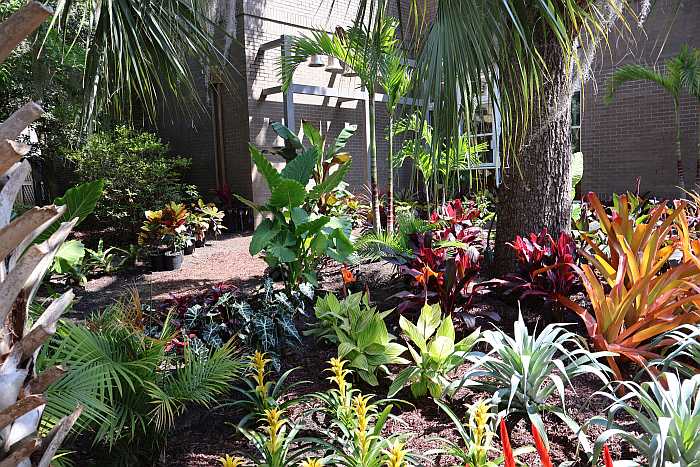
671, 81
365, 50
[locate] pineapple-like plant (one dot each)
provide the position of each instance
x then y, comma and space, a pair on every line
28, 244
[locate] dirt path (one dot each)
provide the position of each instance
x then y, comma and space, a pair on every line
225, 260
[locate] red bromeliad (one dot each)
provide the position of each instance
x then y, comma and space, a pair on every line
607, 458
541, 448
508, 456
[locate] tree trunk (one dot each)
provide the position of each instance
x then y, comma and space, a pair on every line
390, 181
697, 161
535, 191
679, 154
373, 163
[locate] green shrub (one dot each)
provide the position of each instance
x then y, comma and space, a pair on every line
139, 176
436, 353
364, 340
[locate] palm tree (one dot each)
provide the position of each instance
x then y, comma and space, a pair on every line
139, 51
687, 67
364, 50
670, 81
396, 84
530, 54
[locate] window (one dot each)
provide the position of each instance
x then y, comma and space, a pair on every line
576, 122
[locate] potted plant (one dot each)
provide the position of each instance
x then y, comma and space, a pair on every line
197, 226
213, 216
164, 235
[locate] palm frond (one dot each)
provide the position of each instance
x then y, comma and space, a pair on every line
634, 72
140, 51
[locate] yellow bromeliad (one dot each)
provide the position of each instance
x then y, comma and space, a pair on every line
310, 462
229, 461
275, 422
479, 416
360, 406
395, 455
259, 363
339, 374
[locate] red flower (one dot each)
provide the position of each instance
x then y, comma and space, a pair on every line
508, 457
541, 448
348, 278
607, 458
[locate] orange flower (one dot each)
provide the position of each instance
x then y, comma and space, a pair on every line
348, 278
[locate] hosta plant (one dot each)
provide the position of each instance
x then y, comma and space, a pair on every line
363, 340
634, 295
435, 353
667, 413
329, 310
293, 237
527, 373
259, 393
275, 441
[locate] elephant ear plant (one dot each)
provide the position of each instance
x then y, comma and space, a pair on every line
294, 237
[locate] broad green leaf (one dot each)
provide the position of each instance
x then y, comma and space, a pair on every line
441, 348
287, 193
319, 243
429, 320
312, 227
413, 333
272, 177
342, 139
69, 255
341, 246
301, 167
262, 236
299, 216
80, 201
401, 380
446, 329
313, 135
287, 135
282, 253
329, 184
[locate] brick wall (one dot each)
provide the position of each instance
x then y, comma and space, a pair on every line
631, 140
247, 116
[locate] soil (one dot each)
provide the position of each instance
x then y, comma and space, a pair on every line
201, 436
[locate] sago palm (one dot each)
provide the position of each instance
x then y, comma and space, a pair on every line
365, 50
671, 80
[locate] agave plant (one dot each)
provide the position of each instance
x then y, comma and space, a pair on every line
527, 374
668, 414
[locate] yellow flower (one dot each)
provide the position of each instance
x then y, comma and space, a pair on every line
259, 362
310, 462
229, 461
360, 406
275, 422
339, 374
395, 455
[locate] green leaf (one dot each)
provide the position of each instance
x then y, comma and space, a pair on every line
429, 320
80, 201
312, 227
313, 135
441, 348
329, 184
288, 193
291, 142
413, 333
282, 253
69, 256
401, 380
265, 232
301, 167
342, 139
319, 243
446, 329
272, 177
341, 246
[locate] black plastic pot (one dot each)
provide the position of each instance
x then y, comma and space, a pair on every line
172, 261
189, 249
199, 243
156, 261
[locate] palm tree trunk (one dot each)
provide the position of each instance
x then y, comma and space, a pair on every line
390, 181
679, 155
535, 191
373, 161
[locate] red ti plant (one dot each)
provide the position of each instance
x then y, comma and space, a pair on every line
455, 213
546, 267
442, 272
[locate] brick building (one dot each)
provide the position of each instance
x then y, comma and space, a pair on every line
631, 140
628, 139
218, 142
